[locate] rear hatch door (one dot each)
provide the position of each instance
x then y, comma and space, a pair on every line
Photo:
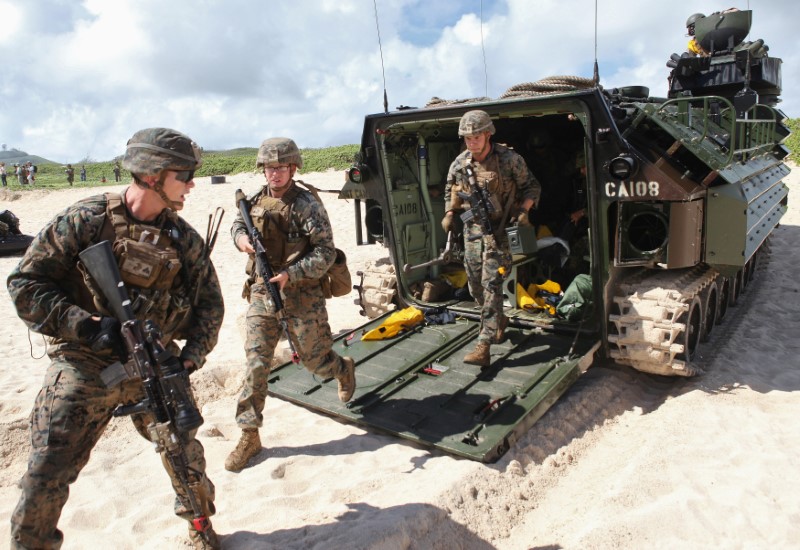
417, 386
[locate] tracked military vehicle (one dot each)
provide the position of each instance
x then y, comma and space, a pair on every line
664, 228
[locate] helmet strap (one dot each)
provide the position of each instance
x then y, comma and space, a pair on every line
159, 188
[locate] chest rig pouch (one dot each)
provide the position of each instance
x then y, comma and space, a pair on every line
149, 265
145, 254
283, 240
487, 174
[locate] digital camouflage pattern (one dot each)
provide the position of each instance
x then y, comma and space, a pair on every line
475, 122
278, 150
74, 406
51, 297
511, 170
485, 255
152, 150
483, 259
304, 305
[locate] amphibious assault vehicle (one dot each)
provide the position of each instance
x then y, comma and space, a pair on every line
662, 231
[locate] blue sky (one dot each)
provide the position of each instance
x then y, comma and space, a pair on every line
80, 77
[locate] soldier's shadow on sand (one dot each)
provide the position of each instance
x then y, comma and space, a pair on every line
365, 526
353, 443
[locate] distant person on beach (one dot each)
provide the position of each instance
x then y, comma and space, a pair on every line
83, 173
70, 171
3, 173
21, 174
31, 171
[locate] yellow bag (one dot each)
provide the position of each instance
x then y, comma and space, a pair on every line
539, 302
531, 300
457, 279
524, 300
397, 322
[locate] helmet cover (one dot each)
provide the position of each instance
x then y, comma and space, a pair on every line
475, 122
279, 150
153, 150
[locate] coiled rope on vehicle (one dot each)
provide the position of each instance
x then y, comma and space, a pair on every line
549, 85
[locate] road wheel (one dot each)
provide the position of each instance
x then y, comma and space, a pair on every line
710, 308
724, 298
690, 337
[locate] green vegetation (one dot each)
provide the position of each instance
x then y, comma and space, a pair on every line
215, 163
793, 141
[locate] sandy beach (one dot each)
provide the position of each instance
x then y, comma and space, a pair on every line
624, 460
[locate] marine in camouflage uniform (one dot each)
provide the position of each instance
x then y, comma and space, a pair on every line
298, 238
74, 406
487, 258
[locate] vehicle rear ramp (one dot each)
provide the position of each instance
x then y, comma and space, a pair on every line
417, 386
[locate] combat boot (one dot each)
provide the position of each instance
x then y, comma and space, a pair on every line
249, 446
347, 380
479, 356
500, 333
206, 541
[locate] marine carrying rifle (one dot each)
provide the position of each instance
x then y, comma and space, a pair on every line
265, 270
480, 205
164, 379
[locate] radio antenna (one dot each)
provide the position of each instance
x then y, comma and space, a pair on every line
485, 72
380, 48
596, 69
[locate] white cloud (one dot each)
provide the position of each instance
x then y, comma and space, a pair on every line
12, 22
86, 76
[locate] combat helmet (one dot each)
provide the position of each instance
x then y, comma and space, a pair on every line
152, 150
279, 150
692, 20
475, 122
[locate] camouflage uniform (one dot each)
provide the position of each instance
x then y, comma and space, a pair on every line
485, 255
304, 301
74, 406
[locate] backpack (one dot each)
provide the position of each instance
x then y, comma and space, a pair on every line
337, 281
577, 300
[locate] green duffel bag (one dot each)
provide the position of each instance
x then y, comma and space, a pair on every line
577, 300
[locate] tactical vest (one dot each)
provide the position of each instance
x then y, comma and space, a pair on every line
149, 264
487, 175
280, 230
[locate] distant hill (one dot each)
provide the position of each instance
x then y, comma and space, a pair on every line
15, 156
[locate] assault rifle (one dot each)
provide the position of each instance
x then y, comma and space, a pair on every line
480, 206
164, 379
265, 270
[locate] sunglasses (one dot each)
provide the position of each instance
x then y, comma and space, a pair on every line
184, 175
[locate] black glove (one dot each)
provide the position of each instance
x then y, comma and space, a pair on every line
104, 334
